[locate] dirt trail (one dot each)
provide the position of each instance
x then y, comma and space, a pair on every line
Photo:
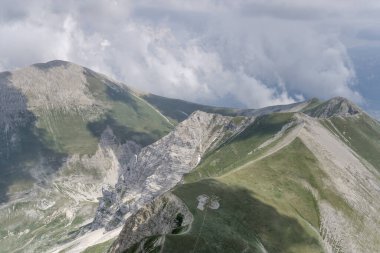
285, 140
348, 177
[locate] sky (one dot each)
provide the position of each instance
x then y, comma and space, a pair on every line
240, 53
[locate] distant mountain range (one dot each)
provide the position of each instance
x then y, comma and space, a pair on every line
88, 164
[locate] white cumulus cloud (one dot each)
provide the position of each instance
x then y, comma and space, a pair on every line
249, 53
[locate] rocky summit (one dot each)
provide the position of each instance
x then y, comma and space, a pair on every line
88, 164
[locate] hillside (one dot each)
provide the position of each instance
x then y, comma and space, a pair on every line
287, 183
90, 165
67, 132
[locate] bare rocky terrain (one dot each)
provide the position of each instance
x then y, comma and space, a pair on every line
159, 167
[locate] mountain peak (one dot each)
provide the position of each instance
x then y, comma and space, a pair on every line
337, 106
52, 64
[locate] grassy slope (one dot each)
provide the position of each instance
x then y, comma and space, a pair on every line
315, 102
241, 149
262, 204
361, 133
258, 208
129, 117
66, 132
46, 140
178, 110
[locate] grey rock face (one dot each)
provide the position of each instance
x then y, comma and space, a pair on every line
71, 194
16, 123
62, 87
337, 106
163, 216
13, 114
12, 104
160, 166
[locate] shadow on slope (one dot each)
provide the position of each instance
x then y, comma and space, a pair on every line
129, 117
51, 64
23, 155
122, 132
242, 223
179, 110
242, 148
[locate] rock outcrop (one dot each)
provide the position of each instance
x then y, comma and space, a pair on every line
165, 215
65, 133
14, 116
103, 168
160, 166
337, 106
56, 85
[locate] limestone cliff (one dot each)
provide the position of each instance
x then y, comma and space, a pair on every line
160, 166
165, 215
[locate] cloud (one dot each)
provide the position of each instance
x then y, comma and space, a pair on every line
253, 53
369, 34
23, 43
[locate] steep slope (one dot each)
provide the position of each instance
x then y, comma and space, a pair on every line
179, 110
287, 183
337, 106
360, 133
355, 225
154, 219
66, 131
353, 126
84, 159
158, 167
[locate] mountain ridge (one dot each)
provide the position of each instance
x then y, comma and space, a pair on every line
336, 106
342, 103
86, 157
335, 207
